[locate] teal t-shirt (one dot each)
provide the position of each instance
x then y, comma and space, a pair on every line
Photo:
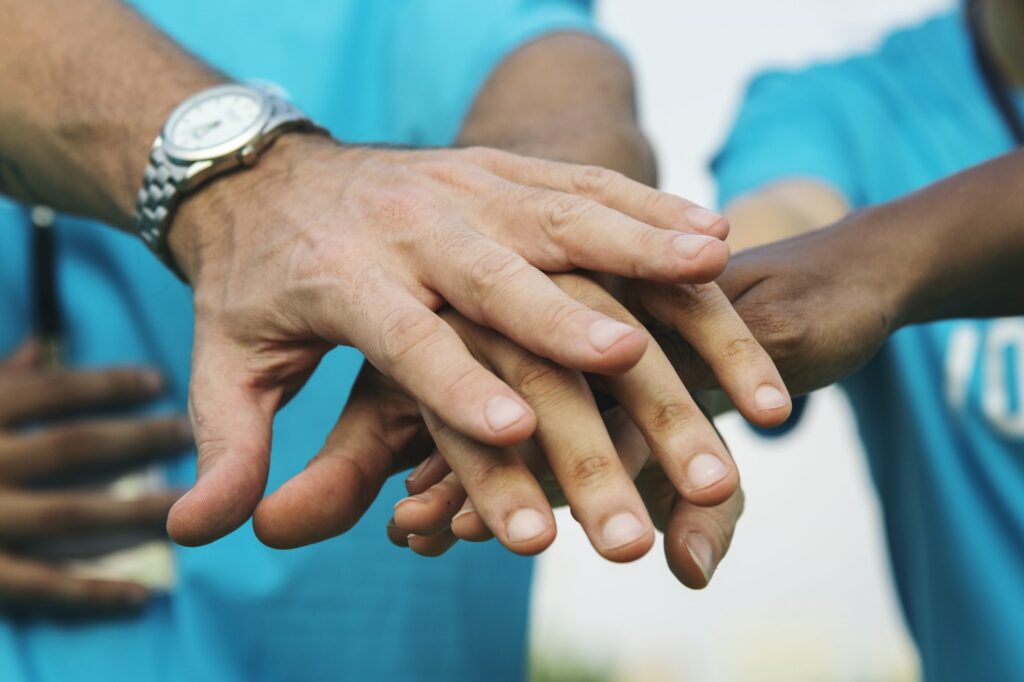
353, 608
941, 409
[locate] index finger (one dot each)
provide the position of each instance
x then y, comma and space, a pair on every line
38, 395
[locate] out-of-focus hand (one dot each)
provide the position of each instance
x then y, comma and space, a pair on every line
373, 438
40, 448
322, 245
819, 303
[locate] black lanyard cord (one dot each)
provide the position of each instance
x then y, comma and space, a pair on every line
995, 81
45, 301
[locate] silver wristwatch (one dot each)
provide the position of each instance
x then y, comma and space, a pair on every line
210, 133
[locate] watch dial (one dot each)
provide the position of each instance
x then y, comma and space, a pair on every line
215, 120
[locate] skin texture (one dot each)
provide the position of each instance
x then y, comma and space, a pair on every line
381, 432
63, 448
321, 245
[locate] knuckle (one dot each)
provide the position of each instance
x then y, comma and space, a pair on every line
457, 381
452, 170
589, 468
593, 180
563, 213
669, 414
660, 203
484, 156
404, 331
558, 313
741, 349
538, 379
495, 270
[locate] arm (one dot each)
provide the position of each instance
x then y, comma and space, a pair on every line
582, 111
322, 245
782, 210
823, 303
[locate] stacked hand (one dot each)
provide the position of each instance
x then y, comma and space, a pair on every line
321, 245
38, 460
690, 486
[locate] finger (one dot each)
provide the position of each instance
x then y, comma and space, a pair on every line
467, 525
30, 587
431, 511
378, 433
430, 471
432, 545
90, 446
26, 356
28, 517
704, 317
697, 539
508, 497
416, 348
232, 417
612, 189
594, 237
436, 496
398, 536
39, 395
499, 289
576, 445
675, 429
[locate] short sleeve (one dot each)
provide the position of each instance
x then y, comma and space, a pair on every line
444, 51
789, 125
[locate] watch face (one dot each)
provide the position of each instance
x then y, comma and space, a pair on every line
215, 123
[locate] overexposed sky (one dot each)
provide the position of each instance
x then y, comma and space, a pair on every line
805, 593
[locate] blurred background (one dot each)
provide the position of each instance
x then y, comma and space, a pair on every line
805, 592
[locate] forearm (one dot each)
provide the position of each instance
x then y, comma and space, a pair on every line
781, 210
583, 111
960, 244
86, 86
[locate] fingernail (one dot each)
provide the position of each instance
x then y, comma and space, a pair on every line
701, 218
767, 397
705, 470
689, 245
700, 551
417, 471
603, 334
525, 524
422, 498
502, 413
620, 530
467, 509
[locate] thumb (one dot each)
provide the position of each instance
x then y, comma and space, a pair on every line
232, 419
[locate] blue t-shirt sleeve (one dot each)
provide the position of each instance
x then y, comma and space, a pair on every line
444, 51
789, 125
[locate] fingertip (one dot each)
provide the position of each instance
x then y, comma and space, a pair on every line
625, 537
508, 420
528, 531
771, 406
707, 222
467, 525
219, 503
703, 258
619, 346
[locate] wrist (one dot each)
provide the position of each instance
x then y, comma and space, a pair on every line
219, 215
883, 263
